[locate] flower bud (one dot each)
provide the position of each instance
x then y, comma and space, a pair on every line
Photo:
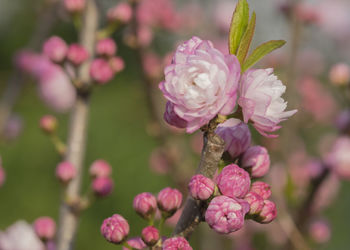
145, 204
256, 160
77, 54
100, 168
172, 118
101, 71
106, 47
261, 188
236, 136
45, 228
117, 64
150, 235
74, 6
320, 231
268, 213
255, 201
233, 181
2, 175
201, 187
135, 243
115, 229
122, 12
176, 243
55, 48
340, 74
169, 200
225, 215
48, 124
65, 171
102, 186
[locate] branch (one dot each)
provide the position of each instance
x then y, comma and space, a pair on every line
68, 221
192, 214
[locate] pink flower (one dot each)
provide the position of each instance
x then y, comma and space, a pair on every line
74, 5
236, 135
201, 83
340, 74
145, 204
55, 48
233, 181
77, 54
268, 213
320, 231
117, 64
261, 188
45, 228
256, 160
122, 12
169, 200
150, 235
48, 124
176, 243
102, 186
115, 229
106, 47
260, 99
101, 71
20, 236
339, 157
225, 215
135, 243
65, 171
100, 168
255, 201
201, 187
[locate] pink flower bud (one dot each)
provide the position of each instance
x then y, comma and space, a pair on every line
320, 231
225, 215
135, 243
55, 48
255, 201
256, 160
115, 229
106, 47
74, 6
169, 200
201, 187
102, 186
45, 228
150, 235
77, 54
261, 188
176, 243
117, 64
101, 71
268, 213
100, 168
233, 181
172, 118
122, 12
48, 124
340, 74
236, 135
65, 171
145, 204
2, 175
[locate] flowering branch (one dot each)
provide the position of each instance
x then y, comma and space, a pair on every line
77, 132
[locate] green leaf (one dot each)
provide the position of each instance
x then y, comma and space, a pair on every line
239, 24
262, 51
246, 40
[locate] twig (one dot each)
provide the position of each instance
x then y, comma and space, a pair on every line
68, 221
192, 214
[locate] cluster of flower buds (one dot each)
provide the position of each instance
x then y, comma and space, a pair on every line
116, 229
102, 183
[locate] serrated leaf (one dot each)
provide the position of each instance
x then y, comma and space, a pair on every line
261, 51
239, 24
246, 40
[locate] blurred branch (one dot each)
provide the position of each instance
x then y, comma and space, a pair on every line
45, 22
76, 146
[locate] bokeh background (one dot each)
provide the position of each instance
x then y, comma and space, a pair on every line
119, 119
